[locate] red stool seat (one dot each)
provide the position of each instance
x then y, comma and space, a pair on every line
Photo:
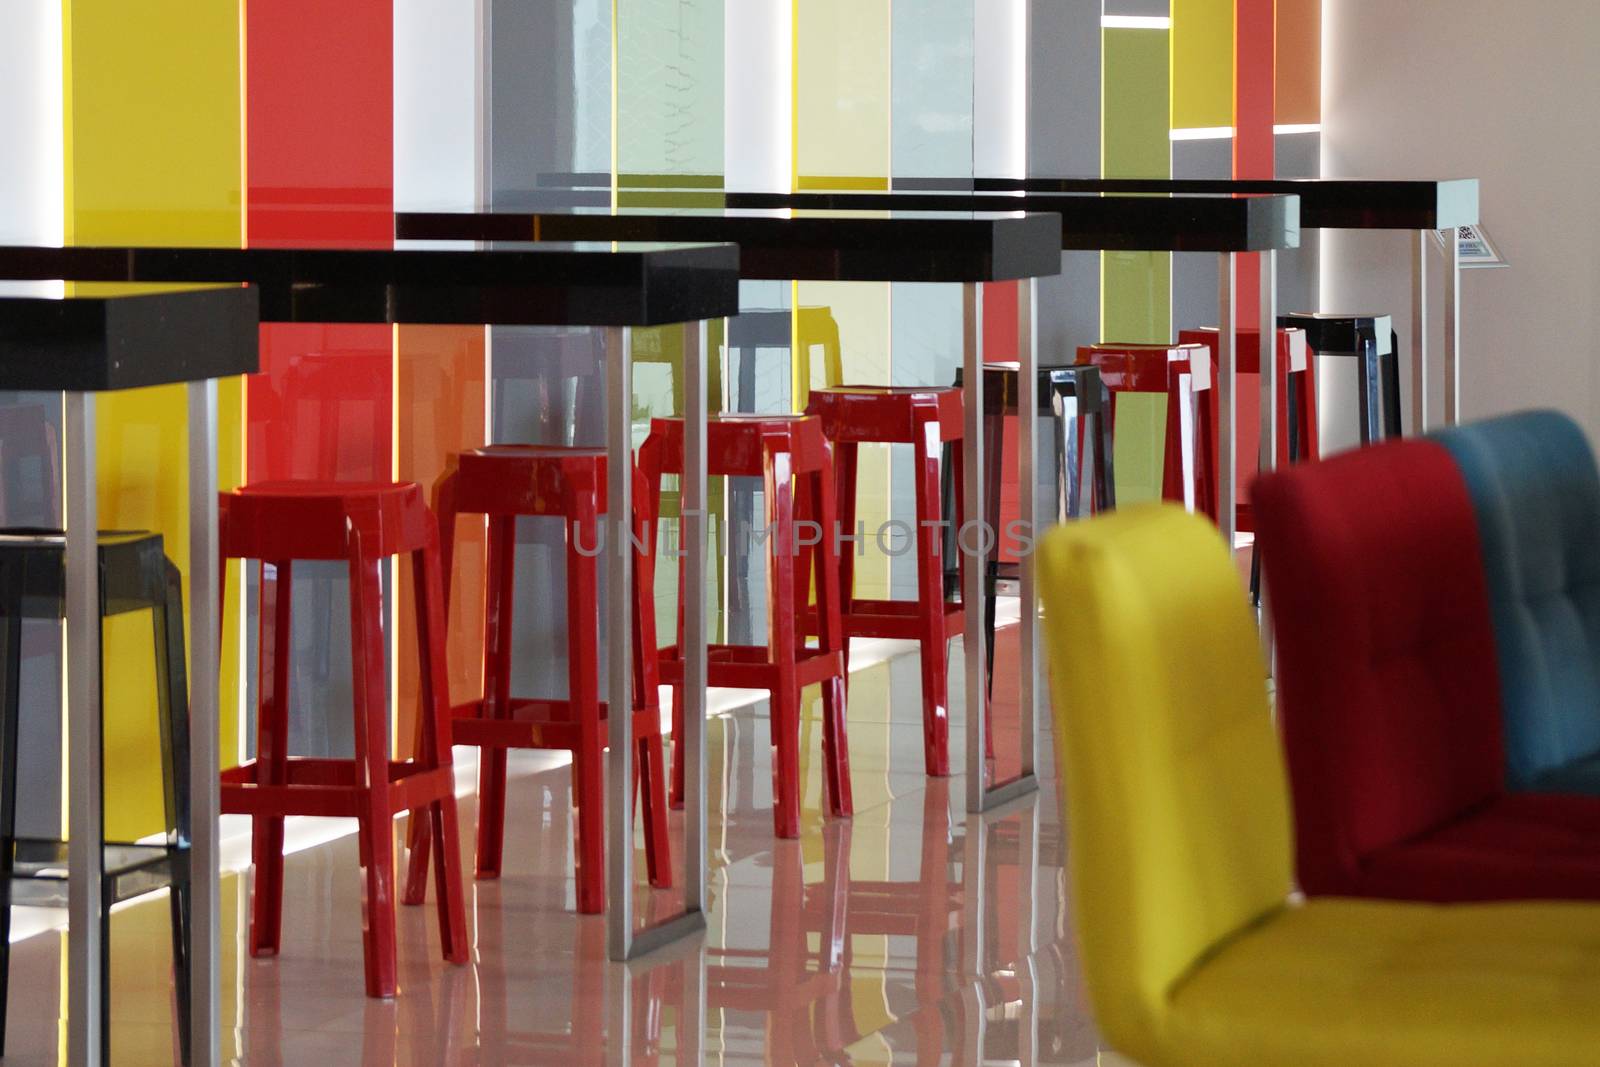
928, 418
504, 482
792, 457
278, 523
1180, 372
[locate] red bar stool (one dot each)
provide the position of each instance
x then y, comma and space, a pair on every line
1182, 372
503, 482
1297, 399
928, 418
1296, 387
362, 524
791, 456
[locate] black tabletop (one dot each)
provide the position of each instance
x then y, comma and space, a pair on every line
148, 336
1193, 223
850, 246
511, 283
1325, 203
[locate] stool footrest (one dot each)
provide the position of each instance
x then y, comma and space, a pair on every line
328, 787
889, 618
751, 666
537, 723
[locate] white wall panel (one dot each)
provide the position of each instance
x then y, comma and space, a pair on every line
1503, 93
31, 180
759, 82
436, 112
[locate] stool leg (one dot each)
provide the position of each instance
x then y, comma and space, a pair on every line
108, 897
676, 797
930, 608
647, 683
272, 757
830, 627
434, 751
418, 832
1391, 388
583, 682
1369, 379
497, 684
173, 697
844, 474
1065, 455
781, 609
1105, 487
376, 827
11, 590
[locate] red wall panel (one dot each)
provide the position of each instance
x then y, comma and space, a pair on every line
319, 136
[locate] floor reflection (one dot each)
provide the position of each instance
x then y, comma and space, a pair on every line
911, 934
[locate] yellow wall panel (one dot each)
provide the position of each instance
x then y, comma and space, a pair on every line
1202, 63
841, 94
153, 154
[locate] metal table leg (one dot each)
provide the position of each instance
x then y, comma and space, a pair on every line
972, 577
85, 834
1419, 333
622, 942
1028, 507
974, 540
1227, 441
1452, 327
1269, 411
696, 501
205, 629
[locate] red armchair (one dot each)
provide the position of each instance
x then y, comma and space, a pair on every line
1388, 691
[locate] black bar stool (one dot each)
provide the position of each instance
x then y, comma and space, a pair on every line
135, 575
1361, 337
1076, 401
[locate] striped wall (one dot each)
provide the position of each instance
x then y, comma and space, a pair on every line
295, 121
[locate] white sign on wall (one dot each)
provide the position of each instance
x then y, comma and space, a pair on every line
1477, 250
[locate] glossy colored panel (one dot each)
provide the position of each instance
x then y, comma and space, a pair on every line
320, 104
321, 143
548, 121
931, 71
1254, 142
669, 98
1202, 63
841, 94
439, 381
435, 104
152, 154
1136, 293
1299, 64
1136, 287
152, 122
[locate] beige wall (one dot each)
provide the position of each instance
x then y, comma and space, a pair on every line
1506, 93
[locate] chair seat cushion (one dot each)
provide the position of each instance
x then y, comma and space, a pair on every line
1580, 776
1337, 982
1521, 846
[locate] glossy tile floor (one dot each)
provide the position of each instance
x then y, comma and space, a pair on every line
911, 934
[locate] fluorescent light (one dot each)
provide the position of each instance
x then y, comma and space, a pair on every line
1135, 22
1223, 133
1203, 133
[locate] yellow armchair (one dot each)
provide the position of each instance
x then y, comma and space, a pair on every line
1195, 952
